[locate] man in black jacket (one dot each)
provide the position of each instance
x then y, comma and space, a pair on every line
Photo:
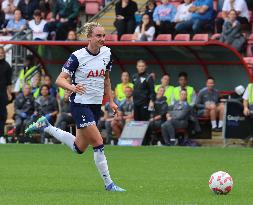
24, 108
5, 88
143, 94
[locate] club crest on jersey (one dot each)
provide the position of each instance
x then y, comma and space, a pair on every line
69, 61
96, 73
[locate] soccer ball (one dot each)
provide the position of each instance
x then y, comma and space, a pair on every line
221, 182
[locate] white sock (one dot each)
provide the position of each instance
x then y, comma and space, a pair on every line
64, 137
101, 163
213, 123
220, 125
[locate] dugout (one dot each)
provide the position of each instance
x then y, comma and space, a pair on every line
198, 59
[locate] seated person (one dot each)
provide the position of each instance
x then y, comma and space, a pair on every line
150, 7
125, 17
202, 13
157, 116
46, 105
238, 93
209, 106
231, 33
64, 119
177, 117
242, 12
71, 36
120, 87
64, 18
27, 8
52, 89
24, 108
125, 114
15, 25
191, 94
146, 30
163, 17
169, 89
37, 25
248, 104
35, 85
9, 6
183, 13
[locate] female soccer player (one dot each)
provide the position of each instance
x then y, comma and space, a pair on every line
89, 70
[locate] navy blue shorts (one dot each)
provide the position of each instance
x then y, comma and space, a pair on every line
85, 115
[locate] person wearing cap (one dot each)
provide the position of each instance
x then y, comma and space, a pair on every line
248, 103
37, 25
238, 92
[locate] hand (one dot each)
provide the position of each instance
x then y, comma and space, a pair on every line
52, 20
79, 88
151, 119
63, 20
158, 23
119, 17
246, 111
151, 105
114, 107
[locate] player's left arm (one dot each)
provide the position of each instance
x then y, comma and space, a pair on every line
108, 92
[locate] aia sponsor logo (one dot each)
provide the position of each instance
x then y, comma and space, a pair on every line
96, 73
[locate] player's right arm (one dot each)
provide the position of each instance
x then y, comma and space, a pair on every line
67, 71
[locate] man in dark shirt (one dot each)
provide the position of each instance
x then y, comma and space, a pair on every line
5, 88
125, 17
24, 108
208, 104
143, 94
27, 7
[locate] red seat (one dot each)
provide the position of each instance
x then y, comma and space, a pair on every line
215, 36
164, 37
182, 37
91, 7
200, 37
111, 37
127, 37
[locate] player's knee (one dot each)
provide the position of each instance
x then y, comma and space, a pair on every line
78, 150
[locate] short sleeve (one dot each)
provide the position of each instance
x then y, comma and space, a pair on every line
71, 65
109, 65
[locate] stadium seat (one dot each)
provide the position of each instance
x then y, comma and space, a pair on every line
111, 37
215, 36
182, 37
164, 37
127, 37
200, 37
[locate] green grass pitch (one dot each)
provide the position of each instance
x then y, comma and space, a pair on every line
52, 174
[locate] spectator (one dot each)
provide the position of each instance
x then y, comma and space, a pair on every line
71, 36
35, 85
242, 13
2, 19
182, 81
17, 24
24, 108
177, 117
25, 75
120, 87
125, 17
9, 7
5, 88
64, 18
248, 104
126, 113
238, 93
146, 30
143, 94
169, 89
65, 118
46, 105
27, 8
157, 116
52, 89
183, 13
163, 17
202, 13
231, 33
150, 7
37, 25
208, 104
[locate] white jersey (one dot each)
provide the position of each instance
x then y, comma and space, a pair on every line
38, 29
89, 69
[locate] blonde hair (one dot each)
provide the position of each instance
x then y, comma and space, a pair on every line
88, 28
